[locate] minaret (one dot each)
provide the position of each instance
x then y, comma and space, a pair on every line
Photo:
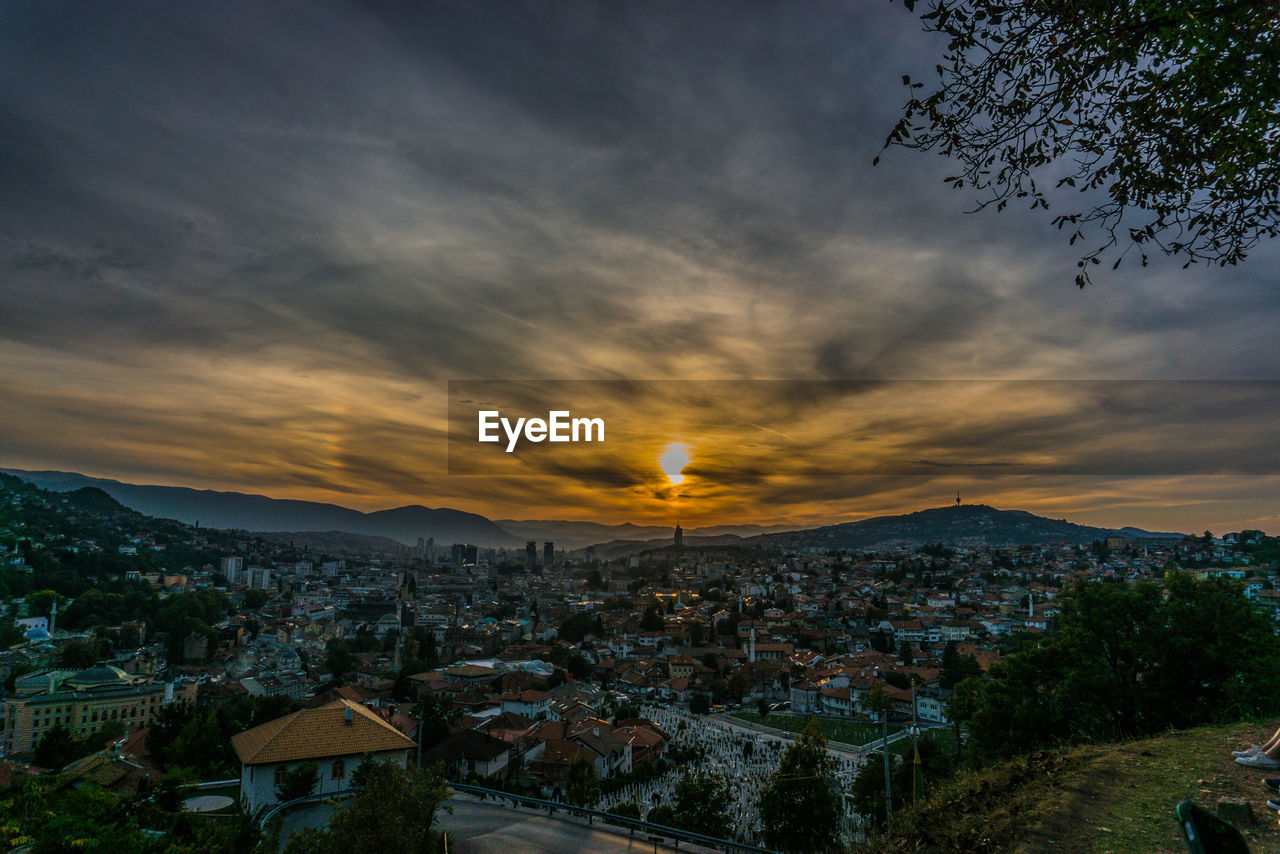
53, 615
1031, 606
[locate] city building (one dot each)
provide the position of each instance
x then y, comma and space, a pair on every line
334, 737
84, 702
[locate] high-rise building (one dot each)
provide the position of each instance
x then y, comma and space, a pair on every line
531, 555
233, 569
548, 554
679, 535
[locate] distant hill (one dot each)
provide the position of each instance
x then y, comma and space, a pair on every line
968, 524
95, 500
621, 548
576, 535
334, 542
963, 525
238, 510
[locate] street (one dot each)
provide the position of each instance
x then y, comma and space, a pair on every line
486, 827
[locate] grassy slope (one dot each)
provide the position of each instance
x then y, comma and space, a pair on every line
1109, 798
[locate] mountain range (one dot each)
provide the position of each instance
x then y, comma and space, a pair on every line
968, 524
963, 524
259, 513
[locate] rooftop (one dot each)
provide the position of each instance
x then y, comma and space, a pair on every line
319, 733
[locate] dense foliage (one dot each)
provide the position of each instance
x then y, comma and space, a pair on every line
393, 812
1162, 114
700, 803
1129, 660
801, 808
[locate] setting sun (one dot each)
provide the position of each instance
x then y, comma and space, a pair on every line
673, 461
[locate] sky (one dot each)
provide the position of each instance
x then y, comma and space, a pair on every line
249, 246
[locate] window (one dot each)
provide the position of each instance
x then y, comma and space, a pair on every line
339, 769
280, 769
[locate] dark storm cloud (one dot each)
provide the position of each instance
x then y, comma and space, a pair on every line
282, 215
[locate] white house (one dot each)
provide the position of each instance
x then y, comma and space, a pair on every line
334, 737
535, 705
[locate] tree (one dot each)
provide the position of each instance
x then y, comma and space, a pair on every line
427, 649
254, 599
581, 783
339, 659
80, 654
435, 717
199, 743
956, 667
702, 804
699, 704
56, 748
577, 627
298, 782
801, 807
697, 633
1128, 660
652, 620
868, 787
393, 811
739, 683
1163, 116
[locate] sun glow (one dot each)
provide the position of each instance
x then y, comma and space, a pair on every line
673, 460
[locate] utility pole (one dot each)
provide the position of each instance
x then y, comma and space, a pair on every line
888, 785
915, 745
883, 702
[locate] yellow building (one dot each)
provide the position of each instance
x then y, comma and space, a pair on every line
83, 702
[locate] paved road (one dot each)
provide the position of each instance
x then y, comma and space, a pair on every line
308, 817
486, 827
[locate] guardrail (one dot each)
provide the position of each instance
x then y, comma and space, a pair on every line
305, 799
676, 834
633, 824
212, 784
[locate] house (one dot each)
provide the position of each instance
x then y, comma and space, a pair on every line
530, 704
836, 701
334, 737
551, 763
806, 696
932, 703
471, 752
612, 752
647, 744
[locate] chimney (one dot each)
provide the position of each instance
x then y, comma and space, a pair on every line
349, 718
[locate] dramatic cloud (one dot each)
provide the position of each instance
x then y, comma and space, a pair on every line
247, 245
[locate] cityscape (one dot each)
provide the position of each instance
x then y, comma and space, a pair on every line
473, 427
662, 682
